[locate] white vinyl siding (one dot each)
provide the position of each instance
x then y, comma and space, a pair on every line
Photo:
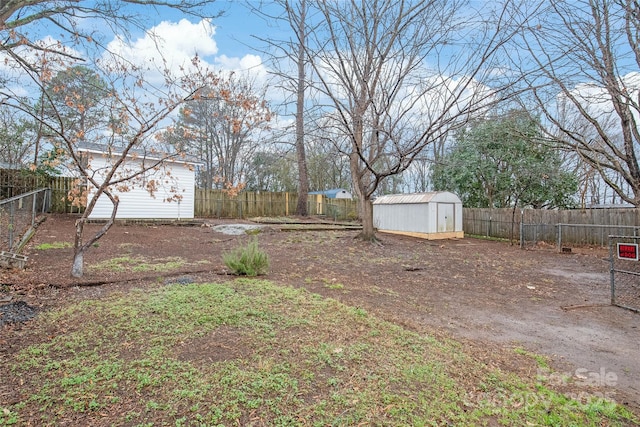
138, 203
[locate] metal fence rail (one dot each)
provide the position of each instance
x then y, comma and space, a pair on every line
18, 214
625, 271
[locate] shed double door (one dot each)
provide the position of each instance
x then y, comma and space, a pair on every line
445, 217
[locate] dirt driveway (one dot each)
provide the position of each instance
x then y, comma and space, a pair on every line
492, 296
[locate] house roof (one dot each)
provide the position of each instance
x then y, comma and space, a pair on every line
432, 196
143, 152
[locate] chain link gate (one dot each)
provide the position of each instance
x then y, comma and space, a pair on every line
625, 271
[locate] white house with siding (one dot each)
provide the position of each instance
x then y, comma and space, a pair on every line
172, 181
432, 215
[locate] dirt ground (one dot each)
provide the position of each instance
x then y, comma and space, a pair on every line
492, 296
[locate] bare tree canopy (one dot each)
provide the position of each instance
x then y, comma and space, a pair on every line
580, 60
16, 15
21, 20
222, 128
400, 75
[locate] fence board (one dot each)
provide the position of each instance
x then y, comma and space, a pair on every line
248, 204
60, 187
575, 223
14, 182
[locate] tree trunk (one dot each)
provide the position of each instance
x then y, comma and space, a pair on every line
365, 207
77, 269
303, 176
368, 232
79, 248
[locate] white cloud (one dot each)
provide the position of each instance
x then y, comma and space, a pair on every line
168, 45
171, 46
250, 64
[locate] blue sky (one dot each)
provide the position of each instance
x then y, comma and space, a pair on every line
235, 31
237, 27
225, 45
230, 42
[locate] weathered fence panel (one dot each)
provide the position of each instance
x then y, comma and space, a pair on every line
558, 227
60, 188
14, 182
500, 223
340, 209
219, 204
249, 204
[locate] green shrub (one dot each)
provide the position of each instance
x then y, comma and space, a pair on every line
247, 261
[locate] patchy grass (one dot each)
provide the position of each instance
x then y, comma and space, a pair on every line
541, 361
248, 350
129, 247
139, 264
54, 245
332, 284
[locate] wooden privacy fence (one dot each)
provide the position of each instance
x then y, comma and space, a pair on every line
558, 227
208, 203
13, 183
219, 204
60, 187
500, 223
249, 204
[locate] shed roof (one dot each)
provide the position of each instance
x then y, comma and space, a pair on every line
432, 196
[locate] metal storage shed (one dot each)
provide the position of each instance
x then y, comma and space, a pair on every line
433, 215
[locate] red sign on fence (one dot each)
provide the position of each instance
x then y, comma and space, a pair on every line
628, 251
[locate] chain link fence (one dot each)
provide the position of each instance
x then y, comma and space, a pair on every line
18, 214
561, 235
534, 234
625, 271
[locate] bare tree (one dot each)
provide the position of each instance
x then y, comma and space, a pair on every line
16, 138
222, 129
328, 166
401, 75
23, 48
130, 137
297, 19
18, 18
291, 53
580, 60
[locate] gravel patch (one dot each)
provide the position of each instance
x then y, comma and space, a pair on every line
236, 229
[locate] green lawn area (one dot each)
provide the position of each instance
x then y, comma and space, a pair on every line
252, 352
